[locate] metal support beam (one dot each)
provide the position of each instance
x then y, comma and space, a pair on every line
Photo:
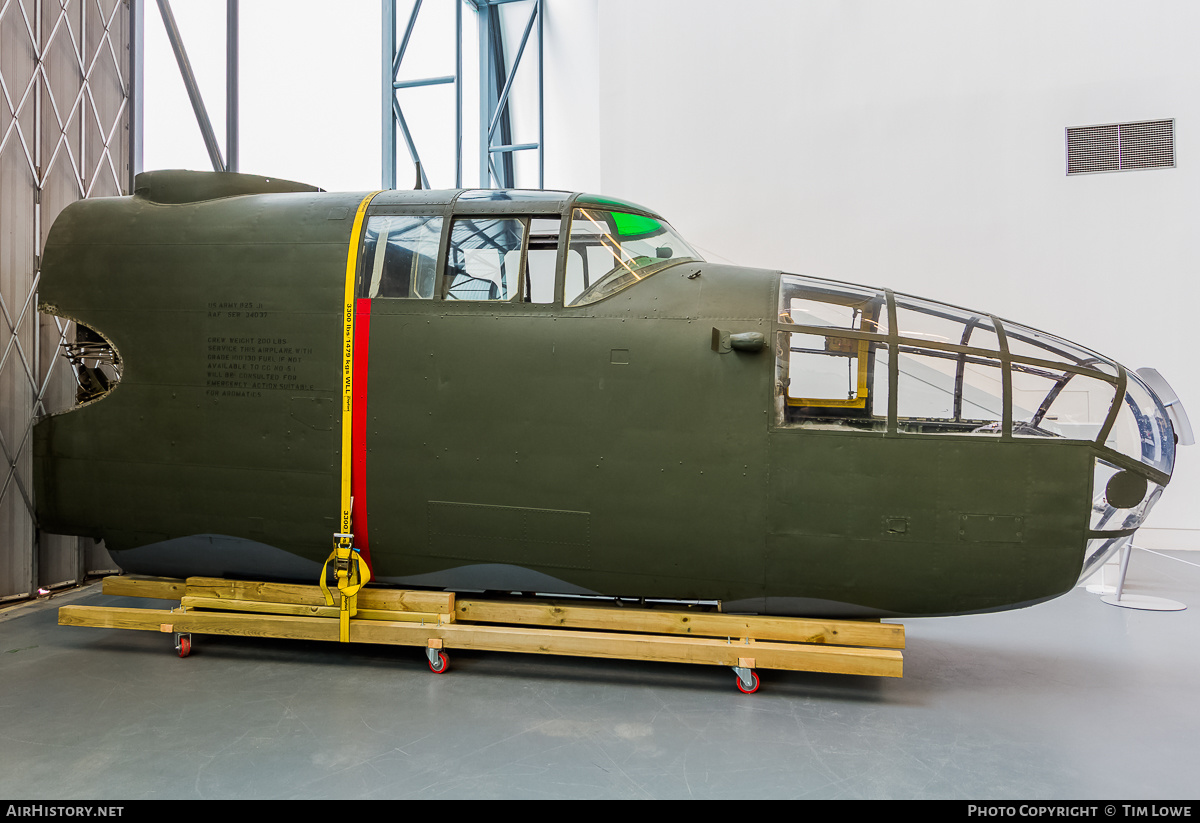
193, 90
393, 114
504, 176
231, 84
388, 119
484, 18
458, 103
503, 99
135, 92
541, 104
496, 81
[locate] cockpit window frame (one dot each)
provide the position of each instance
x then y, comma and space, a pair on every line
446, 283
545, 205
451, 205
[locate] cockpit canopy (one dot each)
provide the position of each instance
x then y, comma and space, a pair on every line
502, 245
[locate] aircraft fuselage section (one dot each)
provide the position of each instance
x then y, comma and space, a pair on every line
601, 436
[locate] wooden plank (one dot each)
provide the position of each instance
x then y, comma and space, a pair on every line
767, 655
129, 585
199, 622
705, 624
712, 651
266, 607
383, 599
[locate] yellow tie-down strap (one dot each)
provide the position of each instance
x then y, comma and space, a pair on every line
350, 572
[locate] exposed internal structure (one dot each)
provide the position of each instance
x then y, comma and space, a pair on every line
95, 363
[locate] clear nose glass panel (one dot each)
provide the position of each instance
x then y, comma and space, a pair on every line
1058, 404
1098, 551
1143, 429
931, 322
951, 378
804, 301
941, 391
1026, 342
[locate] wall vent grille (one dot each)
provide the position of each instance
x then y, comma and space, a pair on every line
1149, 144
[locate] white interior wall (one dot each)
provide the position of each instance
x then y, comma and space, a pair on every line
571, 95
918, 146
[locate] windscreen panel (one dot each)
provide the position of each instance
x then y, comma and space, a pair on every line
609, 251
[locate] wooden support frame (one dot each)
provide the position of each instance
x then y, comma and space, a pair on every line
439, 621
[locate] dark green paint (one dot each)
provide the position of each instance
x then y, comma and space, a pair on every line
609, 446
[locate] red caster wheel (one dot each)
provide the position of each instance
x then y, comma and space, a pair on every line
184, 645
438, 662
750, 686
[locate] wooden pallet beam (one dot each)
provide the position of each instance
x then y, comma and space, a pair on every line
706, 624
292, 593
299, 610
157, 588
767, 655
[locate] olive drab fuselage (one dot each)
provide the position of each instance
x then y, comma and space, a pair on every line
552, 393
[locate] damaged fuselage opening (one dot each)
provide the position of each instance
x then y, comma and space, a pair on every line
94, 362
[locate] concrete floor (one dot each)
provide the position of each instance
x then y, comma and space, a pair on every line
1070, 699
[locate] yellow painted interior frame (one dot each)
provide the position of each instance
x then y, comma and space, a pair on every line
860, 399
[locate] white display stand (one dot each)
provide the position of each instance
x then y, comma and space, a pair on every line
1133, 601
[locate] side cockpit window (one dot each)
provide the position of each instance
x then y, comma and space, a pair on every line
502, 259
541, 259
484, 260
399, 255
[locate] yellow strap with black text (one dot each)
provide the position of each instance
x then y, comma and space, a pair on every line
350, 572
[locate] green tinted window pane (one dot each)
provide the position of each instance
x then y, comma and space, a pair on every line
635, 225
